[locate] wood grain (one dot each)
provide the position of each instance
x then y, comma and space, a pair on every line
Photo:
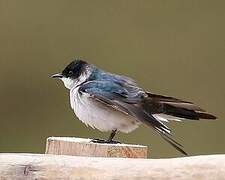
46, 166
83, 147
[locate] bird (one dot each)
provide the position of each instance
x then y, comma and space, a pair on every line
112, 102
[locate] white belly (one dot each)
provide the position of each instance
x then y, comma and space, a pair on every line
100, 116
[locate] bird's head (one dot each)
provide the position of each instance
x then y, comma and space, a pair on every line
74, 74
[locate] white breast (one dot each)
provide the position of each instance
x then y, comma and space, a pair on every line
98, 115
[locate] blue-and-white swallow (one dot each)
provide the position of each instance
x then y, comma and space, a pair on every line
111, 102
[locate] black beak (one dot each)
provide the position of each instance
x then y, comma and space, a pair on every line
58, 75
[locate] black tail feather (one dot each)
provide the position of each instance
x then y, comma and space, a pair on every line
158, 104
167, 137
203, 115
175, 145
176, 107
186, 113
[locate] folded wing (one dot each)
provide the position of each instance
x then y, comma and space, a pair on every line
130, 100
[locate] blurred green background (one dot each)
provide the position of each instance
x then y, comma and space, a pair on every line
175, 48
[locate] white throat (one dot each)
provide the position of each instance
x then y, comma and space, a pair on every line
69, 83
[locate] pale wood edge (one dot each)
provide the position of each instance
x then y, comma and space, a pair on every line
45, 166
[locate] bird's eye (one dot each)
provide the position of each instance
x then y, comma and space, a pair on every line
70, 73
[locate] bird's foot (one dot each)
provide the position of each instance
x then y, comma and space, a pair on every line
103, 141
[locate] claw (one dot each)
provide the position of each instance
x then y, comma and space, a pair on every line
102, 141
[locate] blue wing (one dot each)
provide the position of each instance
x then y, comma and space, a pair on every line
126, 98
129, 99
114, 91
101, 75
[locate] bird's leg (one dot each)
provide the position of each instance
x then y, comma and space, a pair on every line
109, 140
112, 135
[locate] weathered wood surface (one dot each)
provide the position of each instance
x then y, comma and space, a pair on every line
46, 166
83, 147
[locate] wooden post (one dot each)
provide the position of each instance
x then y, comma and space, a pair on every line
84, 147
18, 166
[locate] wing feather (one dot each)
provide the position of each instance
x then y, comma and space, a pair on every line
121, 99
